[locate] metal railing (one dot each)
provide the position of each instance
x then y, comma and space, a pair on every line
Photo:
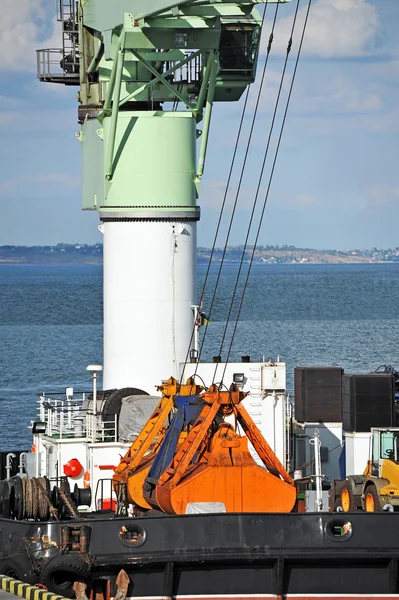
68, 417
189, 73
61, 65
56, 67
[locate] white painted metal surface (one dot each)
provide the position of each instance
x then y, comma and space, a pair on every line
149, 287
96, 459
311, 501
273, 377
266, 407
357, 452
76, 432
331, 439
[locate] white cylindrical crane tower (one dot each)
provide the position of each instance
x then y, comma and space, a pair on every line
148, 294
149, 219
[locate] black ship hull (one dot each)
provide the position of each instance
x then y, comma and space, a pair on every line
202, 556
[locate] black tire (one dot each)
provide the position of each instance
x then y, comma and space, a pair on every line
347, 497
372, 491
112, 405
4, 499
102, 396
61, 572
18, 569
12, 569
16, 499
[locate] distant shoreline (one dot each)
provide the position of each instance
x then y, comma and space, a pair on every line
77, 254
200, 263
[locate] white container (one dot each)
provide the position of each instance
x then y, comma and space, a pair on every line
357, 451
273, 377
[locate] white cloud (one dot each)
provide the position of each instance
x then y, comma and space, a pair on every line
353, 98
338, 95
24, 27
301, 201
325, 92
384, 123
336, 28
382, 197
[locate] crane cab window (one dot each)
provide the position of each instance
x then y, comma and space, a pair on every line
238, 50
385, 446
389, 445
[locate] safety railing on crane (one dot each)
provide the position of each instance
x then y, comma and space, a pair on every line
188, 73
61, 65
56, 67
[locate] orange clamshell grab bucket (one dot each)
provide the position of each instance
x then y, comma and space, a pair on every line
134, 481
73, 468
231, 476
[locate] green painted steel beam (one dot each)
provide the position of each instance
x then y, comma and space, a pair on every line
216, 10
147, 38
103, 15
159, 78
213, 68
207, 72
114, 114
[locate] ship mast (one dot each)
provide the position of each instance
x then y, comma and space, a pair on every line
149, 72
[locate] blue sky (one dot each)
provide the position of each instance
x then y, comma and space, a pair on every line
336, 183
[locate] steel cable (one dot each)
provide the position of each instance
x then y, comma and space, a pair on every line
254, 205
271, 176
269, 45
221, 215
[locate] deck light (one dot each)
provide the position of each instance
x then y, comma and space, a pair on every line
39, 427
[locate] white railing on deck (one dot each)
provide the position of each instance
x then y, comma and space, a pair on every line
65, 418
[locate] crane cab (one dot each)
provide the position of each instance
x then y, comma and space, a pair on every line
384, 447
238, 53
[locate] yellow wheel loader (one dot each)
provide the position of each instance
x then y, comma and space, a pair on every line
377, 488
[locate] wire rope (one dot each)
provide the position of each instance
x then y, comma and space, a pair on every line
270, 180
270, 41
255, 202
221, 214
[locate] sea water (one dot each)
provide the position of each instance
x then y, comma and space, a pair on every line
51, 325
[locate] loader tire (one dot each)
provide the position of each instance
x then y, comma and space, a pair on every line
372, 502
348, 501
